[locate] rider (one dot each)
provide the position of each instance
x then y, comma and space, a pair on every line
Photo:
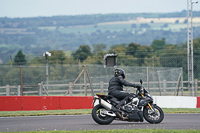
116, 87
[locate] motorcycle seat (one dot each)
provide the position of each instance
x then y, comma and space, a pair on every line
107, 96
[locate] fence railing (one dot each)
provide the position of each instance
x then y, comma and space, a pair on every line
63, 80
82, 89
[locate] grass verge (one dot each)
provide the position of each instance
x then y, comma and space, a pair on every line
45, 112
81, 111
181, 110
121, 131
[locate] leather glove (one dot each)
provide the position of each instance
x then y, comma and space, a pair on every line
138, 86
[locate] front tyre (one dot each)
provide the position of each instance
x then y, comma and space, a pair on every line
153, 117
99, 116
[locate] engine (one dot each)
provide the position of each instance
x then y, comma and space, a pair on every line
132, 105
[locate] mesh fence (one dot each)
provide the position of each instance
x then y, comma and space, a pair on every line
158, 80
160, 77
61, 78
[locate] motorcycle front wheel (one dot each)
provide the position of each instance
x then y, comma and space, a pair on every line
155, 116
99, 116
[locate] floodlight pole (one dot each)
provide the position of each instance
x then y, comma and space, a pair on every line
47, 72
46, 55
190, 46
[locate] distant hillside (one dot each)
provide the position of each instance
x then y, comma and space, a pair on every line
39, 34
84, 19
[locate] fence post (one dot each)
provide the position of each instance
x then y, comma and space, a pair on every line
21, 80
70, 91
92, 91
195, 87
181, 81
40, 89
18, 90
85, 81
159, 83
7, 90
164, 87
148, 78
101, 86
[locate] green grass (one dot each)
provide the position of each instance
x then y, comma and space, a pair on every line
120, 131
181, 110
81, 111
45, 112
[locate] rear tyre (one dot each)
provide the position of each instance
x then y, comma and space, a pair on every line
99, 117
153, 117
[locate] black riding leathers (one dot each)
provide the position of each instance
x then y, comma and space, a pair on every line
116, 89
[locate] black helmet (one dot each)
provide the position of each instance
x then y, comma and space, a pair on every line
120, 72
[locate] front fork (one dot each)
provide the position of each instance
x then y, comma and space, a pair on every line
149, 105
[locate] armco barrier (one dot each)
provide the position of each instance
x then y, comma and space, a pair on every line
176, 101
9, 103
76, 102
198, 102
40, 103
17, 103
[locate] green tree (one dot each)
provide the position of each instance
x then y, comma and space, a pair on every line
144, 51
27, 40
169, 52
196, 45
20, 58
140, 52
98, 47
158, 44
95, 59
144, 26
132, 49
133, 26
57, 56
82, 53
177, 21
196, 60
119, 49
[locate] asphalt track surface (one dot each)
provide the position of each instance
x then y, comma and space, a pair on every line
85, 122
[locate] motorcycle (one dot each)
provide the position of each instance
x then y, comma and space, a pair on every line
136, 110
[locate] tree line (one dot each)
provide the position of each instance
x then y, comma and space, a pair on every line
158, 54
94, 55
82, 19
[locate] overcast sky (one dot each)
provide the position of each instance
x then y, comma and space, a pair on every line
34, 8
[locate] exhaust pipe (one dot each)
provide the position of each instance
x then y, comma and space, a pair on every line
110, 107
105, 104
124, 118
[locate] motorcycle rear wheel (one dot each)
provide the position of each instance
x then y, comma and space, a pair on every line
152, 117
99, 117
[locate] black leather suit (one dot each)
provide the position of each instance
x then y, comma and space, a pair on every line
116, 88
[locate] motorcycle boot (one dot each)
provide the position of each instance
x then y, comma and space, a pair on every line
120, 105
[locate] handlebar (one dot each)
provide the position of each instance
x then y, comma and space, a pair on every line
139, 90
